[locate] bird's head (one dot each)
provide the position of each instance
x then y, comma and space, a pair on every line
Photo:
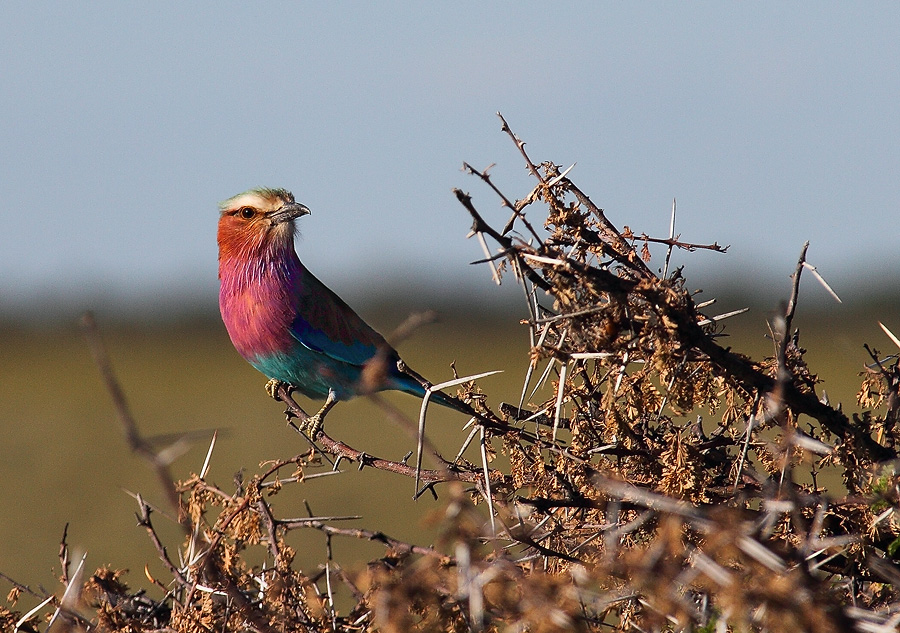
256, 221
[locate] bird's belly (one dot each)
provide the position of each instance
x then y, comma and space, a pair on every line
312, 373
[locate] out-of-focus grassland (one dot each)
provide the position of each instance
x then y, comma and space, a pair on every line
64, 460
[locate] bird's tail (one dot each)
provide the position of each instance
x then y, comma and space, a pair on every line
410, 385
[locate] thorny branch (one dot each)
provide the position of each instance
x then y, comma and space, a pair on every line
449, 472
687, 246
611, 312
136, 442
651, 494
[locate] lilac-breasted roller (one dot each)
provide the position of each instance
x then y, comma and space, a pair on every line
287, 323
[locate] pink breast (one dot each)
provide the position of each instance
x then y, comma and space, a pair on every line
257, 313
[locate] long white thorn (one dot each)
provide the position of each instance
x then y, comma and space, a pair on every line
70, 594
544, 260
466, 444
212, 445
420, 438
543, 378
487, 254
890, 334
532, 365
459, 381
487, 482
559, 398
815, 273
28, 615
671, 237
561, 176
721, 317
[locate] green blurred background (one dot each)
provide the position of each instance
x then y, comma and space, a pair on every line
64, 459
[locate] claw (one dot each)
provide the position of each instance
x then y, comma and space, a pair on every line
313, 424
272, 388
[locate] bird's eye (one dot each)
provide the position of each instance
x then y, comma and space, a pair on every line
247, 212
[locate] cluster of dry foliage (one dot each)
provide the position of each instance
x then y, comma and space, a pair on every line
668, 483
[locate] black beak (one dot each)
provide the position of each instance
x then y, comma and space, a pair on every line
288, 212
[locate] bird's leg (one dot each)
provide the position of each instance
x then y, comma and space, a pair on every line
313, 424
272, 388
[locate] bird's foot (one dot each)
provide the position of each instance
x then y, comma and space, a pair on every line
313, 424
272, 388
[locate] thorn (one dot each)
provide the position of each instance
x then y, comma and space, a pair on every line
890, 334
815, 273
561, 176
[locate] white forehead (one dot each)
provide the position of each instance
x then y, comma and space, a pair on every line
249, 199
262, 198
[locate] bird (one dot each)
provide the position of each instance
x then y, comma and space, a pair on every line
289, 325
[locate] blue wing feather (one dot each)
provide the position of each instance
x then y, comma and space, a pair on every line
325, 324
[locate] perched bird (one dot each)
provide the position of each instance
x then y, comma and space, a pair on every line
288, 324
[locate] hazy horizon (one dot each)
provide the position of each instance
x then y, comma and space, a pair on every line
124, 124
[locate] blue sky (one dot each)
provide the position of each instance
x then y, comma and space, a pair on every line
123, 125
